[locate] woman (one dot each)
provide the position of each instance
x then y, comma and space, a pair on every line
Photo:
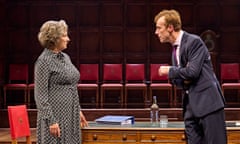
59, 116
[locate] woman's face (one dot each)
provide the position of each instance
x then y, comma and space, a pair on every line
62, 42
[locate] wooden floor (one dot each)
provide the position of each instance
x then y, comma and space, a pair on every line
5, 137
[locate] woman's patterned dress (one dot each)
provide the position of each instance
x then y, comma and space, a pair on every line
56, 97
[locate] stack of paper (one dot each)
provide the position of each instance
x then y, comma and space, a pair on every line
115, 120
238, 123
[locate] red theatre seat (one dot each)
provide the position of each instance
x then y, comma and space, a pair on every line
89, 80
18, 80
135, 80
230, 76
160, 83
112, 80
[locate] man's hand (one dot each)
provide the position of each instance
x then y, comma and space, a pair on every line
163, 70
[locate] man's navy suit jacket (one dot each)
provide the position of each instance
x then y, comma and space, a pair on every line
204, 92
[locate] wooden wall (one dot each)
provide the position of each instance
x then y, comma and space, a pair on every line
114, 31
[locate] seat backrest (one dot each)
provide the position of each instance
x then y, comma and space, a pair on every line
230, 71
154, 76
18, 72
135, 72
112, 72
18, 121
88, 72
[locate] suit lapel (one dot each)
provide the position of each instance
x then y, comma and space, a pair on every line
182, 57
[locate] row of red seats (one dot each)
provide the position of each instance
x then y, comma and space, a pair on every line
89, 80
113, 80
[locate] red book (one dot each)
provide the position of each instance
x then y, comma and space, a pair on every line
18, 121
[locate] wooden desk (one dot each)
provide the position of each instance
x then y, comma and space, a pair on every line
144, 133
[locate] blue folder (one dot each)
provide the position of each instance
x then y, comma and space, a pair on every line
115, 120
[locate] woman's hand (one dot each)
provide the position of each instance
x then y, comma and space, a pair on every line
55, 130
84, 122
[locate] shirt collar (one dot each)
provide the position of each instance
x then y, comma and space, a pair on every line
179, 38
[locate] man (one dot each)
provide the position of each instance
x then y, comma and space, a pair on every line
203, 102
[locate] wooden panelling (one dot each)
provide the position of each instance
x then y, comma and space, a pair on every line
110, 31
111, 58
159, 53
230, 14
4, 43
155, 8
187, 9
136, 15
112, 14
230, 46
35, 47
67, 11
18, 46
88, 43
2, 75
136, 42
88, 14
157, 47
3, 48
2, 14
112, 42
208, 15
17, 15
72, 49
40, 12
124, 27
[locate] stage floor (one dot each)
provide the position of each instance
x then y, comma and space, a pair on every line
174, 114
5, 137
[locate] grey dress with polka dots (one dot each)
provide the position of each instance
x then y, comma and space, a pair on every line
56, 97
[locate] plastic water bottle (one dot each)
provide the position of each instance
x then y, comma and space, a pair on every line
154, 109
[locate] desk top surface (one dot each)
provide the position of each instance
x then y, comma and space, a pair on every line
231, 125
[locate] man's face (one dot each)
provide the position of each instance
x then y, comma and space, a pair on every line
162, 31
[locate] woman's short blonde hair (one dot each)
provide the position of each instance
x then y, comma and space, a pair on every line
50, 32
